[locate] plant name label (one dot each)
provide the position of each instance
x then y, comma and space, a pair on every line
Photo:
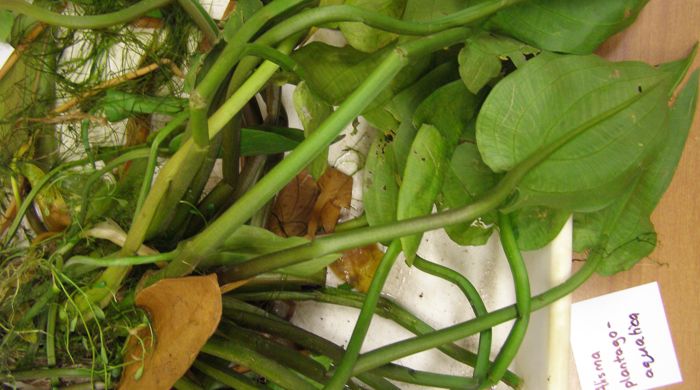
5, 52
622, 341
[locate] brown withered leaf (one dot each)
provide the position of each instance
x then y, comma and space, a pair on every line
336, 193
293, 207
356, 266
184, 314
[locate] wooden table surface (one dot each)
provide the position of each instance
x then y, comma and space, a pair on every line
666, 30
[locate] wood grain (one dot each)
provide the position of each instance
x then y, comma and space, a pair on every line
666, 30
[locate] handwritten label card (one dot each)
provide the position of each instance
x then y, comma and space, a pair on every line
622, 341
5, 51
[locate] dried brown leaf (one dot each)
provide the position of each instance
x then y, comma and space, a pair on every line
293, 207
184, 314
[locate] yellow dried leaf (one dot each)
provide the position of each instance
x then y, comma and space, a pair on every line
356, 266
184, 314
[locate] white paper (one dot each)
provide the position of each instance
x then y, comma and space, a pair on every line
5, 52
622, 341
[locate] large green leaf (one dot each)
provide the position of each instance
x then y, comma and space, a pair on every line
421, 183
577, 26
466, 178
380, 183
312, 111
480, 58
587, 123
368, 39
623, 233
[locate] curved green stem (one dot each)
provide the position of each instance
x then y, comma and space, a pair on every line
83, 21
344, 370
270, 54
346, 13
522, 302
118, 261
391, 352
477, 304
162, 134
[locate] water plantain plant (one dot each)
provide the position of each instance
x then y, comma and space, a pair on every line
487, 117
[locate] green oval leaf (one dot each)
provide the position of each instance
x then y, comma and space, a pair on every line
623, 232
565, 25
381, 187
583, 123
466, 178
422, 180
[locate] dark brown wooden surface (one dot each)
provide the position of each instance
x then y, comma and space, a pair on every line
666, 30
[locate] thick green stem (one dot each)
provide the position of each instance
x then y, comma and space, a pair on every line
284, 355
47, 373
391, 352
185, 383
273, 371
477, 304
118, 261
522, 302
227, 376
270, 54
201, 18
163, 133
199, 128
83, 21
344, 370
